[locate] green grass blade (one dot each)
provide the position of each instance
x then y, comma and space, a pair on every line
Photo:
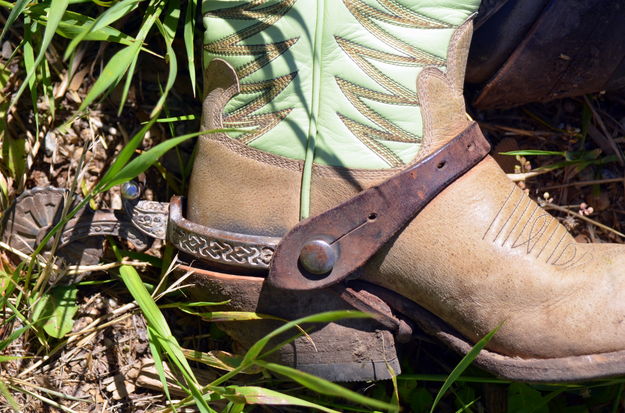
467, 406
221, 360
151, 15
395, 394
11, 338
129, 75
254, 351
441, 378
193, 304
166, 31
260, 395
219, 316
4, 391
525, 152
16, 11
158, 361
170, 21
124, 155
461, 367
102, 22
111, 74
142, 162
325, 387
233, 407
176, 118
73, 27
30, 31
189, 40
48, 89
161, 331
55, 14
4, 359
326, 317
153, 315
25, 321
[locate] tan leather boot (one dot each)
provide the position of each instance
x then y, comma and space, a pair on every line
479, 254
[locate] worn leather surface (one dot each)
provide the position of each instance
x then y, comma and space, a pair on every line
371, 218
481, 253
573, 47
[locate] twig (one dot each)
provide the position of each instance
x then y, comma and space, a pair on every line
608, 136
77, 269
101, 326
90, 331
583, 217
526, 175
19, 382
43, 399
516, 131
585, 183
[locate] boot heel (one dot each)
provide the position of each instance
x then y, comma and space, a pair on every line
346, 350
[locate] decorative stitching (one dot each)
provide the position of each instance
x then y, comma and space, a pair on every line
390, 12
498, 213
365, 14
536, 229
520, 217
398, 94
555, 230
369, 136
263, 55
514, 209
534, 235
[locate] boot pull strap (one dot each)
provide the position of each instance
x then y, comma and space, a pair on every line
323, 250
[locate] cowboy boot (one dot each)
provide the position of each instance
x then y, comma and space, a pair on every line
335, 103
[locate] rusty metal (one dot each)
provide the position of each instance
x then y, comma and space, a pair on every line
150, 217
359, 227
318, 256
104, 222
32, 215
35, 212
213, 245
362, 296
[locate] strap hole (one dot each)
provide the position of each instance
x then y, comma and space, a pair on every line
470, 146
441, 165
372, 216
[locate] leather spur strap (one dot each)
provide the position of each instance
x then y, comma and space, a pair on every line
323, 250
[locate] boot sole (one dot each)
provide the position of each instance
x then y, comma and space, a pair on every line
342, 351
362, 350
